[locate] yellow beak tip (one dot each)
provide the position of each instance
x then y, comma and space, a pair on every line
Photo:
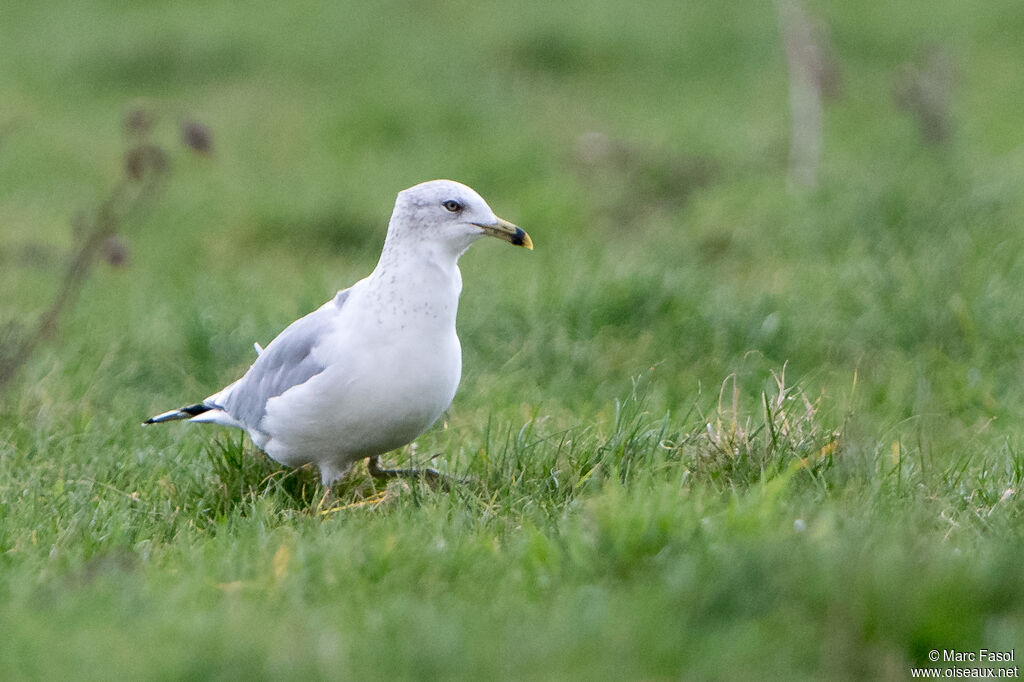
506, 231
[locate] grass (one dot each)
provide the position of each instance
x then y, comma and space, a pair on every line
716, 428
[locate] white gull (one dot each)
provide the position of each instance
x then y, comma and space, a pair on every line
374, 367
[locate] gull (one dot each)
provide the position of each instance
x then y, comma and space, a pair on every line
375, 366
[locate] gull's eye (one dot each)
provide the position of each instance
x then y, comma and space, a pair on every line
452, 205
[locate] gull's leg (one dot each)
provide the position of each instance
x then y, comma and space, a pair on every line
330, 474
435, 478
329, 477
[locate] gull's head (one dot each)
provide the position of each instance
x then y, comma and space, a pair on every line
451, 215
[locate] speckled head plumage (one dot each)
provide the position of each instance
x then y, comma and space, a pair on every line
449, 212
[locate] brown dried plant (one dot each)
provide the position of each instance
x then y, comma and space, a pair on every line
145, 169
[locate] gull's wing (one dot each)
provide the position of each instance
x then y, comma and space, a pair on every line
288, 361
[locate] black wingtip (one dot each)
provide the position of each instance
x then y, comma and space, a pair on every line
193, 410
181, 413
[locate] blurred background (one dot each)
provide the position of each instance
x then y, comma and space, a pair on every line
712, 188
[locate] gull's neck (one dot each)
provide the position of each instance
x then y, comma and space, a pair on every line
419, 279
405, 250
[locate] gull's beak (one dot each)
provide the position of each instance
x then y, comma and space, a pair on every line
505, 230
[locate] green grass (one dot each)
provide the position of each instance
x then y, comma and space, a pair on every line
715, 429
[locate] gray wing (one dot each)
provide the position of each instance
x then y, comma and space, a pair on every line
288, 361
